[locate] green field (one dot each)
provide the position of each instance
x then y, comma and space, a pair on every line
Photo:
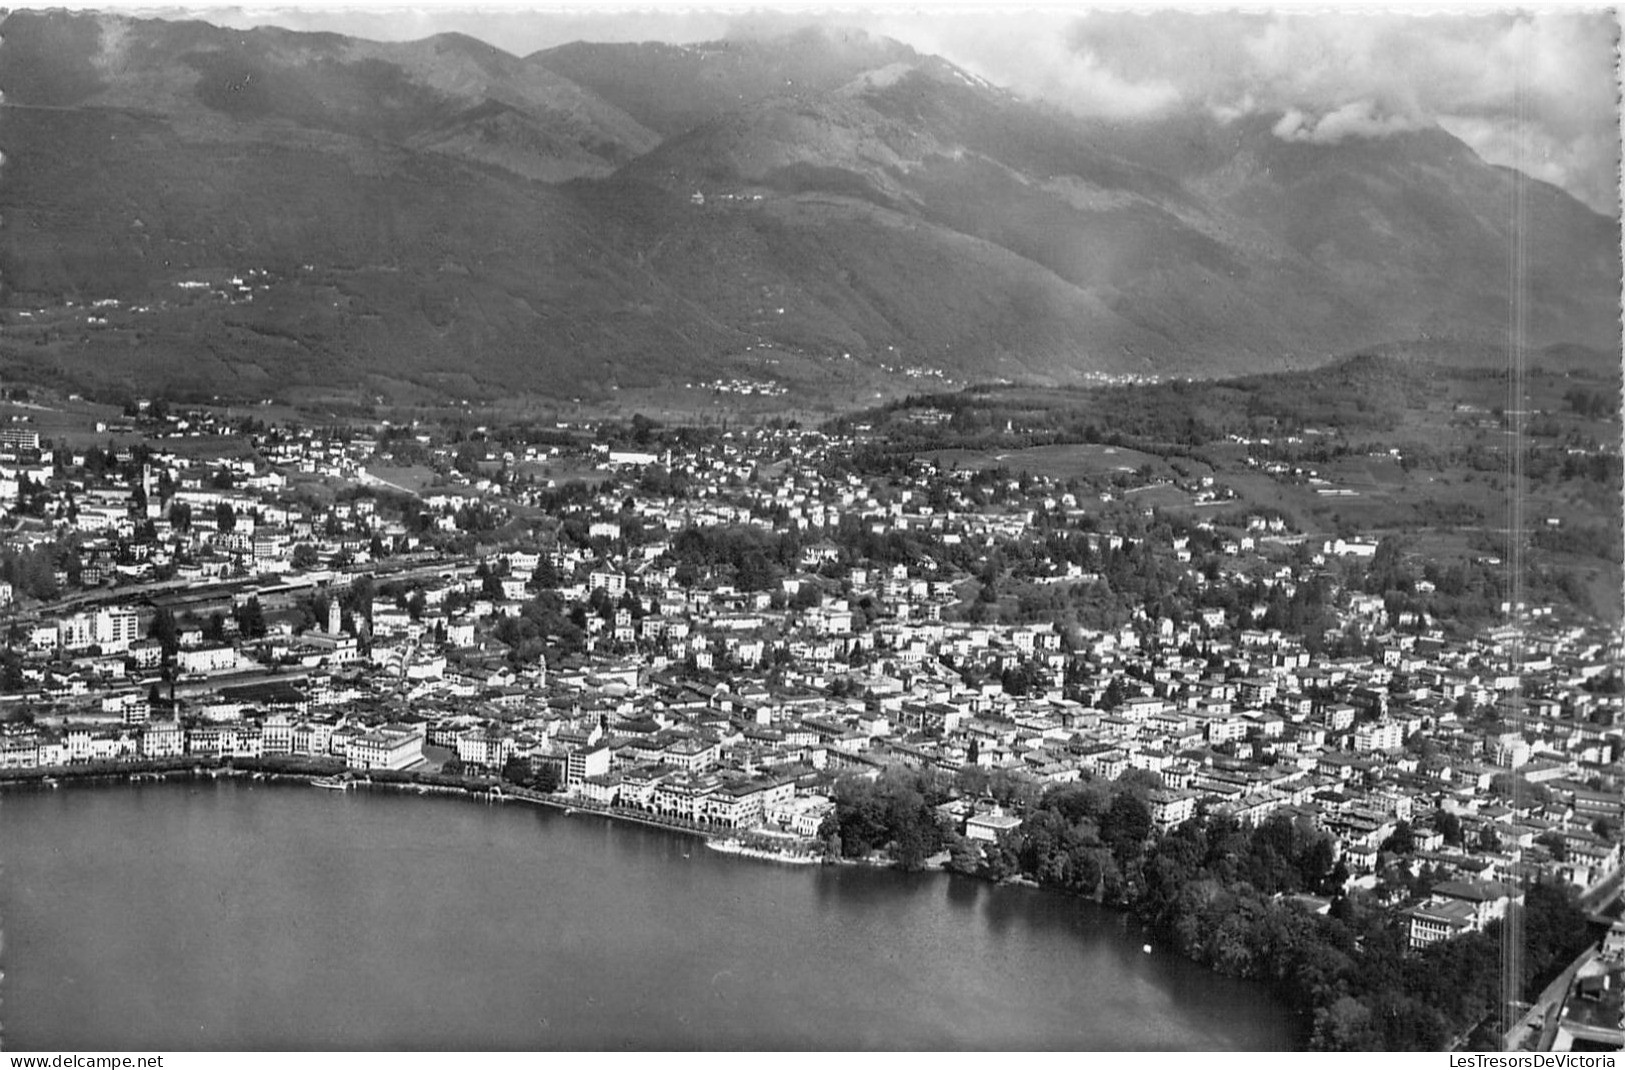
412, 478
1063, 461
65, 422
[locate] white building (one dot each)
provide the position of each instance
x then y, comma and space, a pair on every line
1381, 735
391, 746
485, 747
162, 739
985, 828
207, 660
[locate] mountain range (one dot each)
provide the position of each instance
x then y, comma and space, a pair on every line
197, 209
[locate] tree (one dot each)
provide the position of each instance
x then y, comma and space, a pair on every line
891, 813
1000, 861
546, 576
11, 670
1125, 826
165, 629
250, 618
1420, 745
1345, 1025
358, 598
963, 857
1448, 825
643, 429
1402, 841
971, 779
1554, 842
1140, 780
516, 770
1555, 930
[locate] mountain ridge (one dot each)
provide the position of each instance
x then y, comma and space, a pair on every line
837, 214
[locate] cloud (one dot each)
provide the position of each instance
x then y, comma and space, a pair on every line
1536, 87
1053, 73
1031, 53
1586, 165
1358, 118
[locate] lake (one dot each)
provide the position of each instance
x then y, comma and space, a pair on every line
237, 914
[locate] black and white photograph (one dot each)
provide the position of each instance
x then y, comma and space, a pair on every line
540, 529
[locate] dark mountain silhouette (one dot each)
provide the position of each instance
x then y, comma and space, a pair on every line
272, 210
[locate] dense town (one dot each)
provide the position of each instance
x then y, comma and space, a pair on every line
722, 631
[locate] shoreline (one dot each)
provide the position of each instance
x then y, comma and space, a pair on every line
539, 842
482, 789
723, 841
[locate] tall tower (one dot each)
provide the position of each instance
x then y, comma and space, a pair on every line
335, 616
149, 493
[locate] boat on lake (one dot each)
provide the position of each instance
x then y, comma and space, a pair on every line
335, 783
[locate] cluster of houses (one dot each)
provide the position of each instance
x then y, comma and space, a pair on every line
196, 626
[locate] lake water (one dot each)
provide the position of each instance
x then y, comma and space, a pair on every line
249, 915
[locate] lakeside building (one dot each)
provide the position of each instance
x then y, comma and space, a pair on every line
390, 746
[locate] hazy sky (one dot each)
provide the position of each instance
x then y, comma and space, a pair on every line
1534, 89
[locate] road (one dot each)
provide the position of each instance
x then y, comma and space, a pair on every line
1535, 1030
1597, 898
